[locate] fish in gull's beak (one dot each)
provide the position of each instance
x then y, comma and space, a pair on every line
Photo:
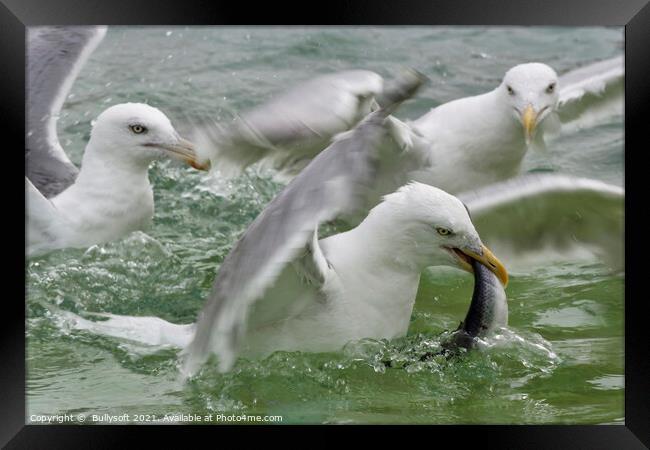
485, 257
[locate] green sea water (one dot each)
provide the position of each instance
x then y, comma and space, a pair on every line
561, 360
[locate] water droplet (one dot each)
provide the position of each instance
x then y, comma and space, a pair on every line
169, 33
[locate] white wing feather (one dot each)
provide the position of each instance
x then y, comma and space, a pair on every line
591, 93
525, 216
42, 219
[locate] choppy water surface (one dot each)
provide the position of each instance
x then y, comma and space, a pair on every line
560, 361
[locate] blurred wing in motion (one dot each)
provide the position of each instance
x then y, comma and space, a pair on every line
289, 130
591, 93
334, 183
550, 212
55, 55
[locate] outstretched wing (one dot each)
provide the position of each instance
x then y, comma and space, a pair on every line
55, 56
292, 128
334, 183
554, 212
589, 93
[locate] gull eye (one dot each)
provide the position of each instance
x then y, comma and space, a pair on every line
443, 231
550, 88
138, 129
511, 91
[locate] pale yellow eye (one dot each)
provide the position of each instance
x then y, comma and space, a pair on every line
138, 129
443, 231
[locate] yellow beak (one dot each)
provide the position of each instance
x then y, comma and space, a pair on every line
488, 260
529, 120
185, 151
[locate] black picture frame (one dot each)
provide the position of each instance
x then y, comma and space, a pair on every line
634, 15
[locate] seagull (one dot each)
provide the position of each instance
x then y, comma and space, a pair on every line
483, 137
110, 195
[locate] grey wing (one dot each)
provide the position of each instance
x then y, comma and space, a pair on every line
334, 183
589, 93
290, 129
298, 286
55, 56
539, 213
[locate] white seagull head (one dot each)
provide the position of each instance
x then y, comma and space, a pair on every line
139, 134
435, 228
532, 91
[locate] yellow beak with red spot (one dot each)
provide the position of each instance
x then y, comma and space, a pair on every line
185, 151
486, 258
